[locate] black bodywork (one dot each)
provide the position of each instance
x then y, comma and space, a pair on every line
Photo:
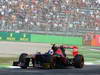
49, 62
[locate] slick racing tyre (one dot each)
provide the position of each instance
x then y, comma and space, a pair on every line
23, 61
78, 61
15, 63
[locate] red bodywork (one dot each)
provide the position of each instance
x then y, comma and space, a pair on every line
75, 50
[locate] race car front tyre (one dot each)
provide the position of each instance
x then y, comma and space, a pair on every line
22, 57
25, 64
23, 61
15, 63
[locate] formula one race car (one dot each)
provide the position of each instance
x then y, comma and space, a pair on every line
51, 60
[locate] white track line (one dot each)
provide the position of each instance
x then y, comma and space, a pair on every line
89, 63
13, 67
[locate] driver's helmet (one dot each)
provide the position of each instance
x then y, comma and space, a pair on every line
51, 52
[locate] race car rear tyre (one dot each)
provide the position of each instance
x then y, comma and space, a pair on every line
78, 61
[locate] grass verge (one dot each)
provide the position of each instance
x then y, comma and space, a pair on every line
90, 55
7, 60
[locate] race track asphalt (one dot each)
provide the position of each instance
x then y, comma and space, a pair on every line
87, 70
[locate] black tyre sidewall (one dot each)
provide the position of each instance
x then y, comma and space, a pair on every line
23, 61
78, 61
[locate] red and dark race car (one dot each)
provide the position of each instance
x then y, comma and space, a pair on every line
56, 57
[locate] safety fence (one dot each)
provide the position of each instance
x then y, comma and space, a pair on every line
38, 38
56, 39
11, 36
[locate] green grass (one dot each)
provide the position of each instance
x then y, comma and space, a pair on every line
7, 60
90, 55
